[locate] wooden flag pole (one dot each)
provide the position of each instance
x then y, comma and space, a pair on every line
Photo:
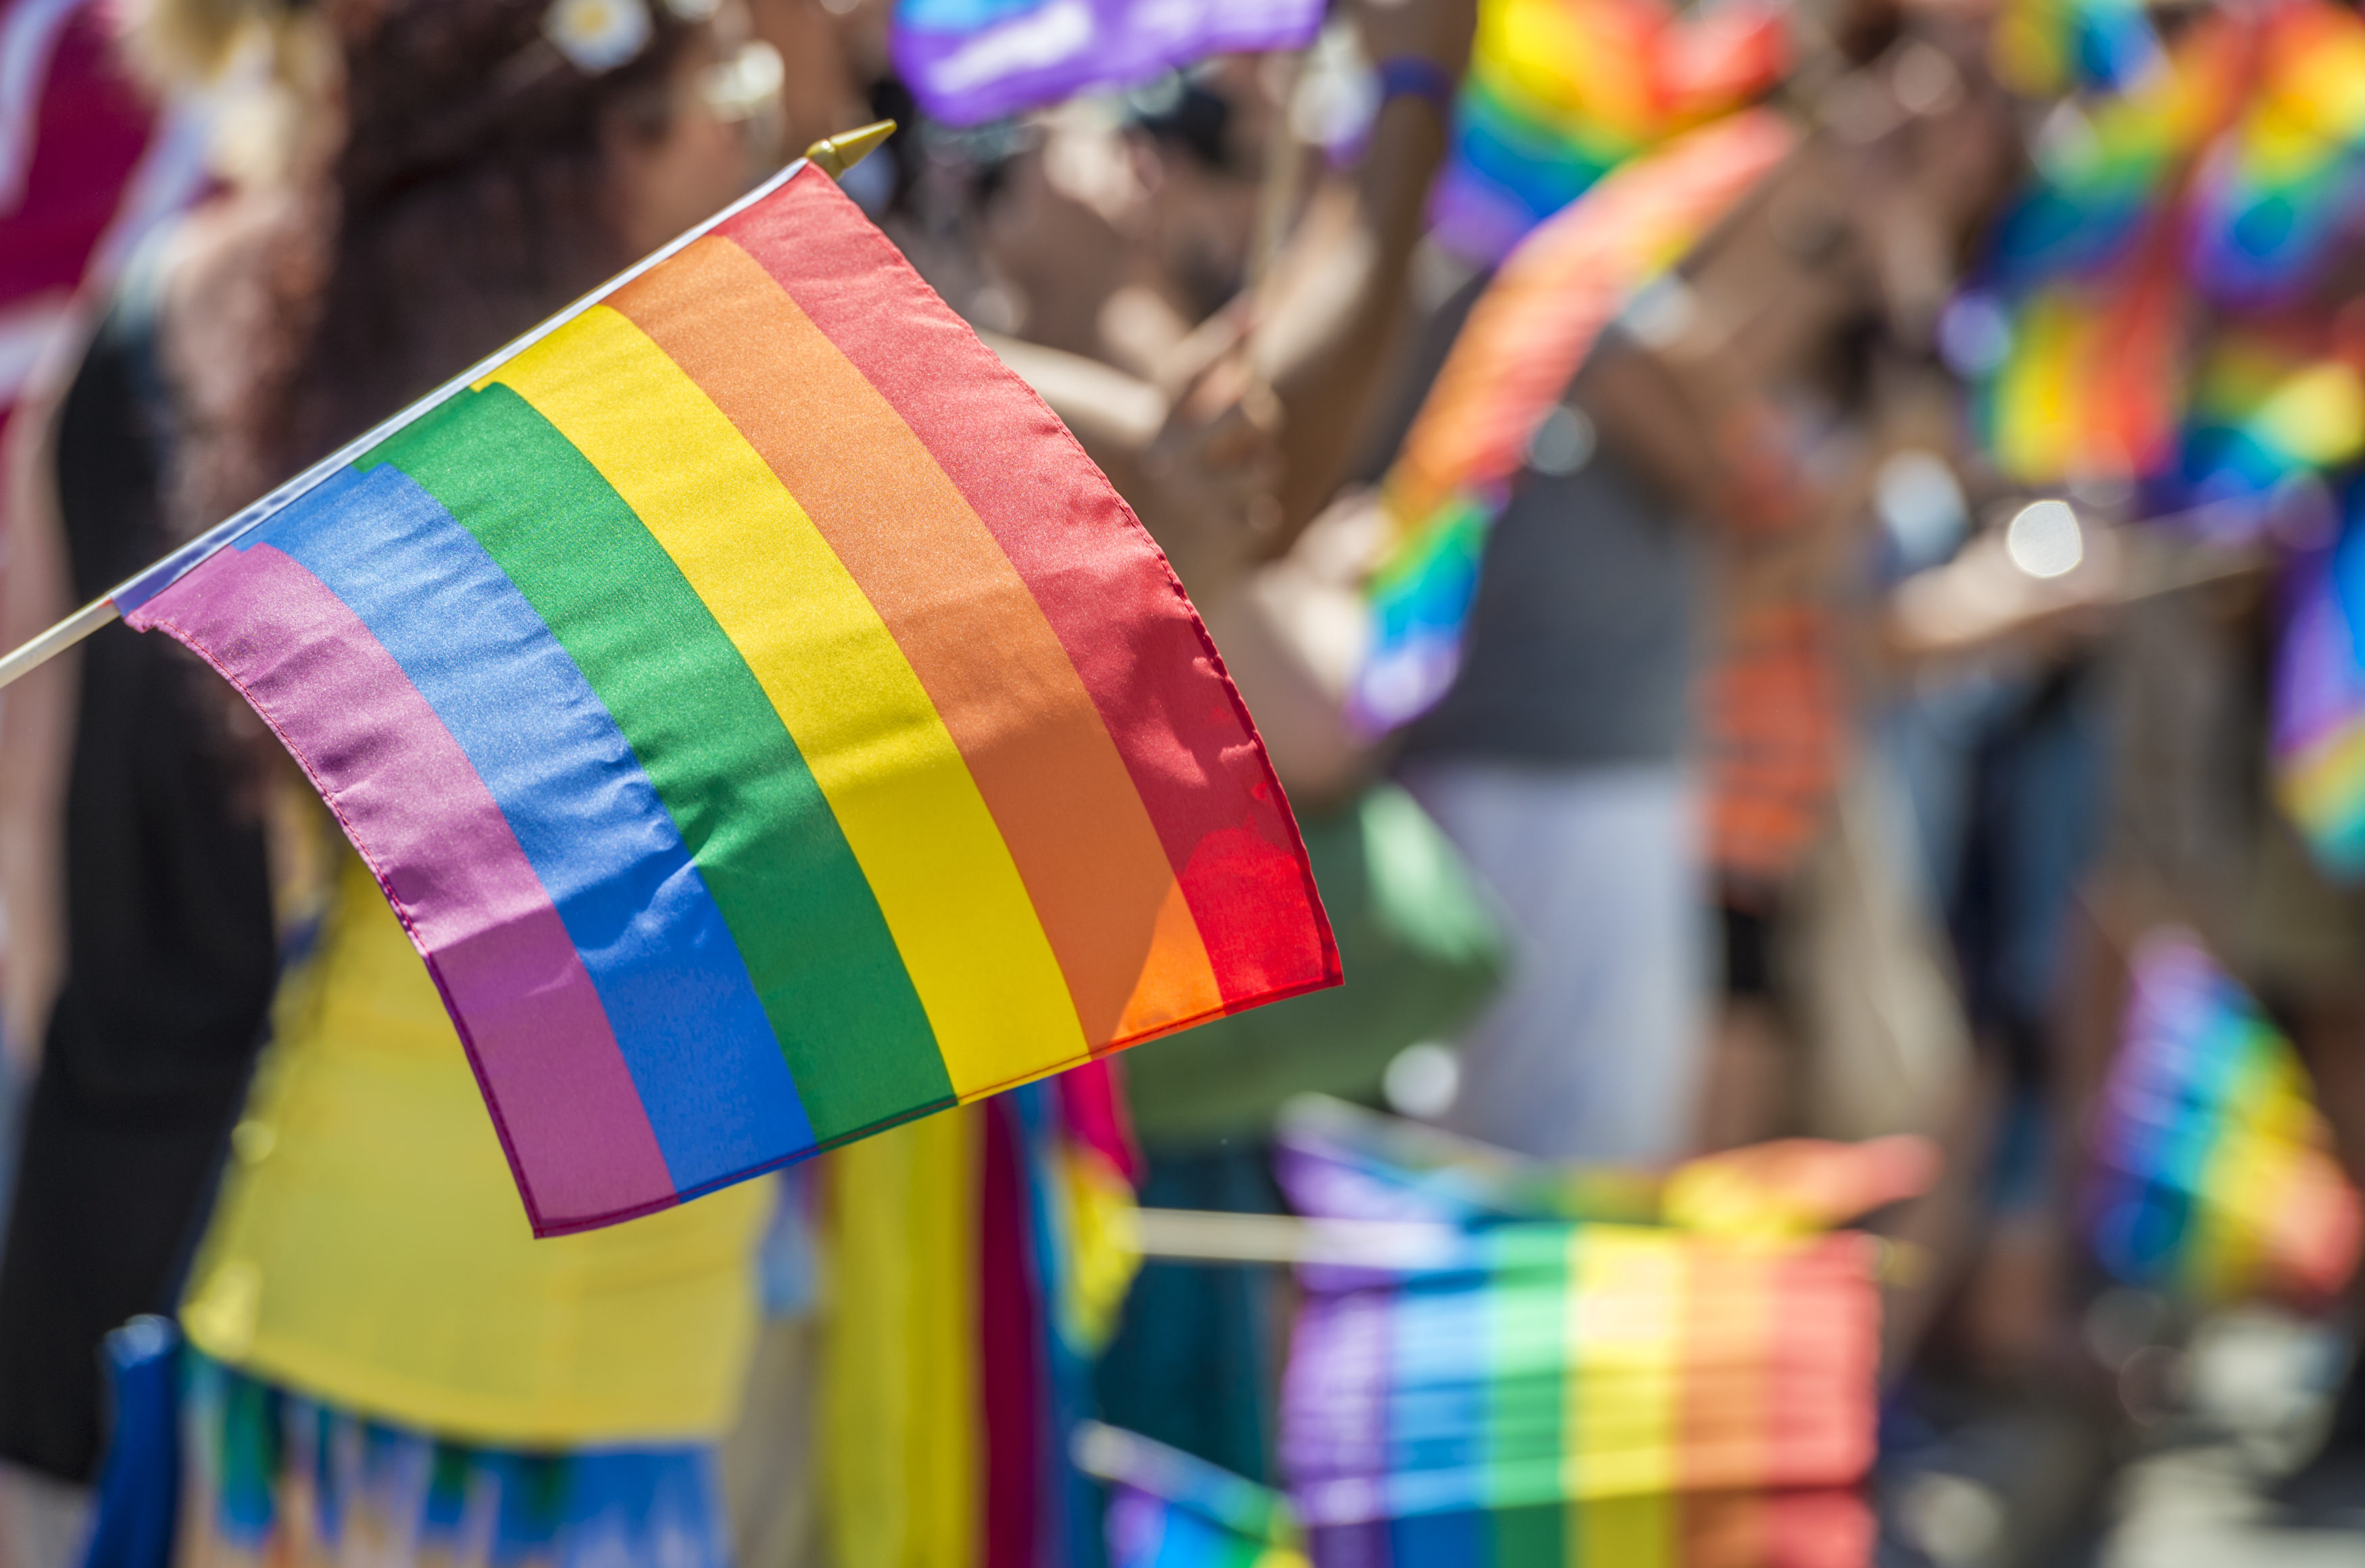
833, 155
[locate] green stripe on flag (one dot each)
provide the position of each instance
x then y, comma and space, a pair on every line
1527, 1393
822, 960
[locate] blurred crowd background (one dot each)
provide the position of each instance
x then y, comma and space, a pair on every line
1802, 565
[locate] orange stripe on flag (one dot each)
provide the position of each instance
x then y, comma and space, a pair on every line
1014, 704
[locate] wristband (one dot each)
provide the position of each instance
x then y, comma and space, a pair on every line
1417, 76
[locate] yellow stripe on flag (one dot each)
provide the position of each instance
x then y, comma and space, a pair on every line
1625, 1301
905, 799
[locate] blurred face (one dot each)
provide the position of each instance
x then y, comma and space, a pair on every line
705, 155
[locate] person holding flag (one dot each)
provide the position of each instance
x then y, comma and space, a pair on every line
461, 204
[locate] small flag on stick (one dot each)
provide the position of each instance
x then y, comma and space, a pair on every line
767, 722
1511, 367
2211, 1176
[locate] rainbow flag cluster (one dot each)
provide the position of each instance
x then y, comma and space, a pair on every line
1560, 92
2319, 701
2211, 1177
1168, 1509
2146, 310
968, 60
1512, 363
1590, 1393
767, 723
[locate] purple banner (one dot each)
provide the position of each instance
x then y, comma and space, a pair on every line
967, 61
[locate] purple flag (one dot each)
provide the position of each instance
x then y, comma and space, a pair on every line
967, 61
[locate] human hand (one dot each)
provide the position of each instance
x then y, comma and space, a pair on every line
1212, 474
1796, 1185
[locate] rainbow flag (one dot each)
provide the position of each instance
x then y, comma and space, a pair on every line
2285, 184
2264, 409
1512, 363
769, 725
1560, 92
2043, 47
2211, 1174
967, 61
2319, 701
1168, 1509
2169, 220
1590, 1393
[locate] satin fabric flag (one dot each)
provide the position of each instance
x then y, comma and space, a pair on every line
967, 61
767, 723
2213, 1178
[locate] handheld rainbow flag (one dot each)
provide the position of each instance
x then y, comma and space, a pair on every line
2319, 701
769, 725
967, 61
1590, 1393
1168, 1509
1513, 362
2211, 1176
1560, 92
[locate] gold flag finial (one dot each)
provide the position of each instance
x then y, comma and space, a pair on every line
835, 154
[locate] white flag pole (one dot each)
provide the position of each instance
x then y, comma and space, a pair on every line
834, 155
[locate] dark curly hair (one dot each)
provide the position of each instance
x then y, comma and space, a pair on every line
470, 197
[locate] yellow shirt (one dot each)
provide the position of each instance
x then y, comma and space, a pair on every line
370, 1249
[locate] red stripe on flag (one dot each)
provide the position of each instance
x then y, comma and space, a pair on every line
1188, 742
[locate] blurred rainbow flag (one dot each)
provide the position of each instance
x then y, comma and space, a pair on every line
2138, 295
1168, 1509
1589, 1394
2211, 1177
2084, 278
1560, 92
2043, 47
1513, 362
2289, 176
2319, 701
2268, 406
967, 61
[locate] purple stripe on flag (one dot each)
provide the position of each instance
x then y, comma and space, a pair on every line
966, 71
538, 1037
